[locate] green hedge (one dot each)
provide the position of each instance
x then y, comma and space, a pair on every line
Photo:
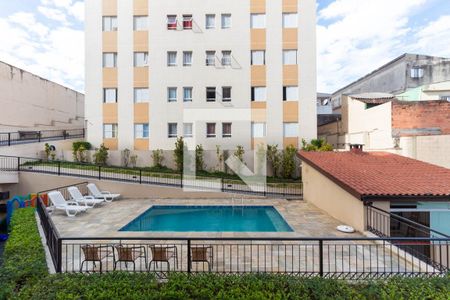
25, 276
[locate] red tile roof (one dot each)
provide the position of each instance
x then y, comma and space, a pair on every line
382, 175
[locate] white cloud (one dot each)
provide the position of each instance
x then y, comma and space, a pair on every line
53, 14
434, 38
359, 37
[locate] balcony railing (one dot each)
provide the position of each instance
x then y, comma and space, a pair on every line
30, 136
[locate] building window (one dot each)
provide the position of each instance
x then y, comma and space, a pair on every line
109, 23
140, 59
445, 97
257, 21
210, 130
258, 57
226, 130
171, 58
290, 93
258, 130
109, 95
172, 130
187, 21
172, 94
187, 130
290, 20
187, 58
109, 60
416, 72
140, 23
290, 130
226, 94
259, 93
210, 58
290, 57
226, 58
141, 95
210, 94
172, 22
141, 131
210, 21
109, 131
187, 94
226, 21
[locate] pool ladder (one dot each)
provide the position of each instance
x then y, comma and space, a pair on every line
235, 200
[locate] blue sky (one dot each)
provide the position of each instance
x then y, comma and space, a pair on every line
353, 36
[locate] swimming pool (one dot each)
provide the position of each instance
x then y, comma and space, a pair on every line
210, 219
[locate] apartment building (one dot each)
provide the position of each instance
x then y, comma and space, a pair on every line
215, 72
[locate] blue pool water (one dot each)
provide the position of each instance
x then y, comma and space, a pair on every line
210, 219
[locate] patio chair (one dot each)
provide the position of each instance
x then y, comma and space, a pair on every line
129, 254
163, 254
88, 201
94, 254
203, 254
71, 208
97, 194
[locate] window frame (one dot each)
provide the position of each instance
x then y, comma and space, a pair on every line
169, 89
172, 54
222, 18
188, 21
209, 89
226, 60
188, 135
264, 130
213, 23
254, 58
114, 130
145, 59
254, 94
144, 130
227, 135
105, 54
172, 135
105, 93
252, 23
136, 99
114, 26
211, 135
210, 58
174, 24
285, 131
135, 23
290, 14
285, 57
285, 93
226, 99
184, 60
187, 88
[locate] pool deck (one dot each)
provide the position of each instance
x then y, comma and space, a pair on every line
106, 220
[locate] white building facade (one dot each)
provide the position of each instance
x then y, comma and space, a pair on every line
221, 73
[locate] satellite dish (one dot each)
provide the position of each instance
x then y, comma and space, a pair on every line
326, 102
345, 229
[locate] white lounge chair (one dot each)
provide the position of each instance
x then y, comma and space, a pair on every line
105, 195
88, 201
70, 207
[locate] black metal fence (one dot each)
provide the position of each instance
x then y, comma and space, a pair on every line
145, 176
24, 137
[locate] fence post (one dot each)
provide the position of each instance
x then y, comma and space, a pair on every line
9, 138
189, 256
39, 136
222, 188
18, 164
321, 258
59, 260
99, 172
140, 176
181, 179
59, 168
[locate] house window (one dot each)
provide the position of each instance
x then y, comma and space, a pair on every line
210, 130
226, 21
445, 97
416, 72
210, 94
226, 58
226, 130
258, 130
109, 95
109, 60
141, 95
290, 93
187, 130
290, 130
172, 94
210, 21
172, 130
290, 20
141, 131
187, 21
140, 23
257, 21
109, 131
140, 59
171, 58
172, 22
290, 57
109, 23
226, 94
187, 58
210, 58
258, 94
187, 94
258, 57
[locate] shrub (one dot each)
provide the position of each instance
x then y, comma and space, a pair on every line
79, 150
126, 157
158, 158
316, 145
288, 161
101, 155
47, 150
133, 160
274, 158
199, 162
178, 153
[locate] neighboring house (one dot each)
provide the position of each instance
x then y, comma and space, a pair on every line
221, 73
417, 129
404, 73
324, 104
434, 91
29, 102
343, 183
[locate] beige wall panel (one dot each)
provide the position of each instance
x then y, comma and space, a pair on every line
110, 41
258, 75
290, 38
140, 41
258, 6
290, 111
109, 7
141, 77
259, 115
290, 75
109, 77
141, 144
110, 113
258, 39
111, 144
290, 5
140, 7
290, 141
141, 113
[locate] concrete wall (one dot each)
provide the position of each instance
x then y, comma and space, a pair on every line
32, 103
36, 150
427, 92
433, 149
326, 195
32, 183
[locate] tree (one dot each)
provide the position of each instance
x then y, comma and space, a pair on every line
274, 158
316, 145
288, 161
199, 162
178, 153
101, 155
158, 157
